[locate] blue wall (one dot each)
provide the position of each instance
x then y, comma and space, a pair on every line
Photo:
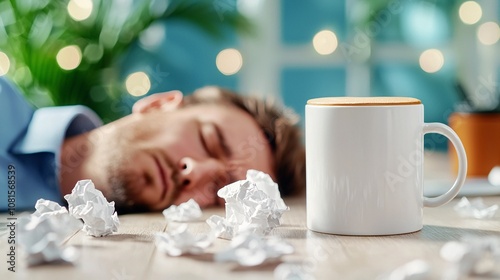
300, 84
300, 20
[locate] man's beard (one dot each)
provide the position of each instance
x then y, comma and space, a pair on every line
121, 183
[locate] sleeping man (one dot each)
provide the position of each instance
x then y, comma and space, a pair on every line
170, 149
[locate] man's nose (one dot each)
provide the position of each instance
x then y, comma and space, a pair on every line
195, 173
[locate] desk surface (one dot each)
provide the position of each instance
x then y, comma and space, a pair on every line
131, 254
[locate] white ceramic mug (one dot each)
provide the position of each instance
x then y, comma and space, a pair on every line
364, 161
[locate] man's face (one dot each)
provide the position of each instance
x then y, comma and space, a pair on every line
163, 157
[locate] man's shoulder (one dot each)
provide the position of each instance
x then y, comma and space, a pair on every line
15, 112
10, 93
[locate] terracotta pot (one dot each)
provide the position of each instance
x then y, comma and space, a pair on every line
480, 135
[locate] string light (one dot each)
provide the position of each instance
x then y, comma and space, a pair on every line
138, 84
69, 57
325, 42
431, 60
229, 61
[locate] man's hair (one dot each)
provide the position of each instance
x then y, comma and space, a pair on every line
279, 125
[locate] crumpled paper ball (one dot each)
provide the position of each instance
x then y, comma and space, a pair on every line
87, 203
292, 271
475, 209
48, 207
180, 241
186, 212
250, 249
415, 270
42, 233
254, 205
471, 256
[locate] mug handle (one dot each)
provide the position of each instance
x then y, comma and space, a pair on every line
462, 163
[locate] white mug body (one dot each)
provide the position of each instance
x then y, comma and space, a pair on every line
364, 169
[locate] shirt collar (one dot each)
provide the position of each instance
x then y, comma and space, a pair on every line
51, 125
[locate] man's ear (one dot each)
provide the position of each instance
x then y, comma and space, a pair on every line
165, 101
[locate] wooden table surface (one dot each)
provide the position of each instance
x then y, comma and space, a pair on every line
130, 253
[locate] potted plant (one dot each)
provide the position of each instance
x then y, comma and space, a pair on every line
479, 130
33, 33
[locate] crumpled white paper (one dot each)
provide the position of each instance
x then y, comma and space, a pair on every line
87, 203
472, 256
252, 205
475, 208
185, 212
180, 241
48, 207
290, 271
414, 270
42, 233
250, 249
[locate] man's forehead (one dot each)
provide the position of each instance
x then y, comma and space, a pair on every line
220, 110
216, 102
242, 133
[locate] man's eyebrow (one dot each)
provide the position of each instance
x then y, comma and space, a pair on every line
222, 140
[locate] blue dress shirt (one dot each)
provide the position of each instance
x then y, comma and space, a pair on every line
30, 142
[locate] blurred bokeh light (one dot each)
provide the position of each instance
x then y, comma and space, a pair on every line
93, 52
4, 64
431, 60
69, 57
151, 38
80, 9
229, 61
488, 33
138, 84
424, 25
325, 42
470, 12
